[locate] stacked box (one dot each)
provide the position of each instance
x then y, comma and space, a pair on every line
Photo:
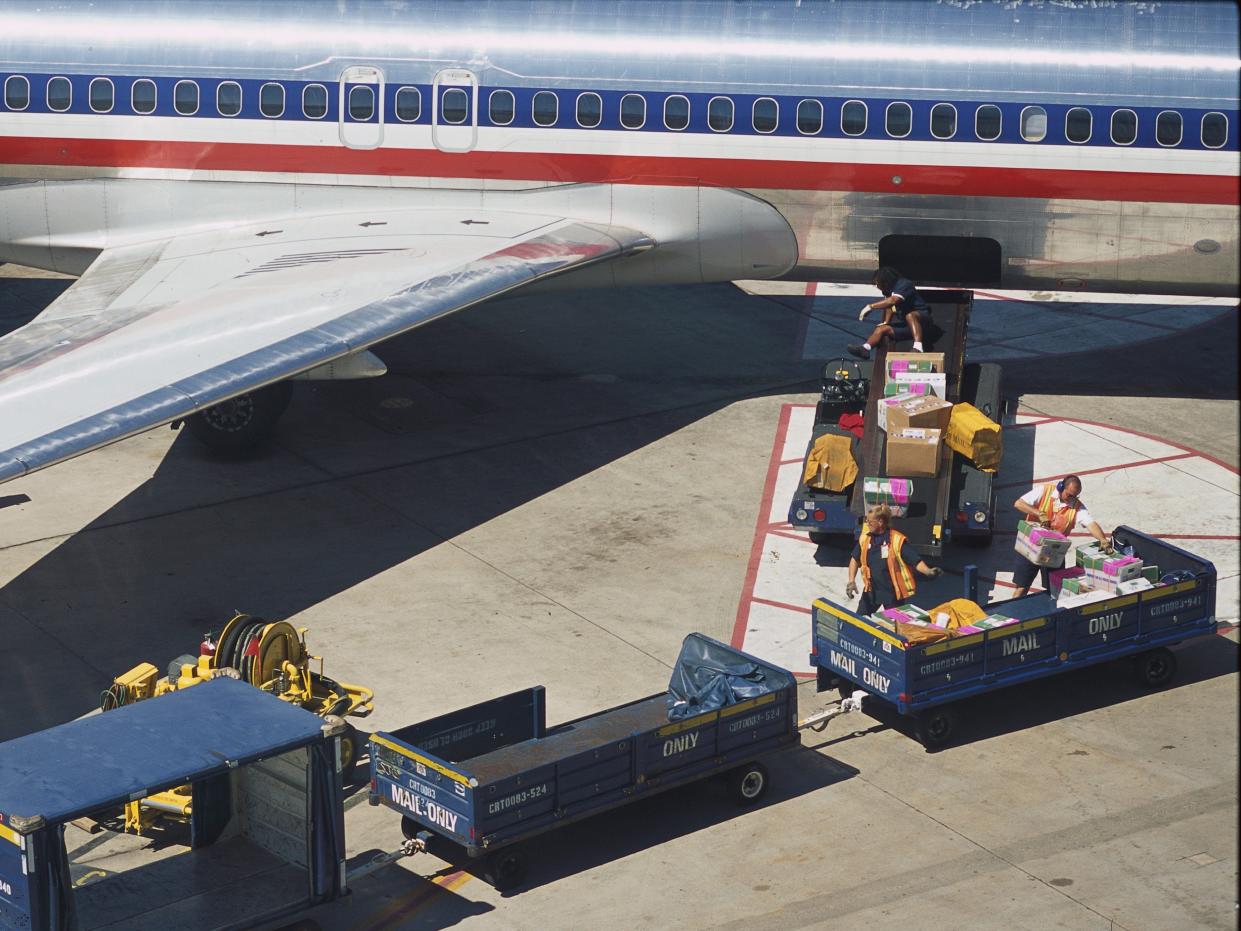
937, 380
914, 452
886, 405
1041, 546
1057, 577
894, 492
1067, 600
894, 388
1090, 556
928, 413
1115, 569
1076, 586
990, 622
1150, 573
914, 362
1140, 584
909, 614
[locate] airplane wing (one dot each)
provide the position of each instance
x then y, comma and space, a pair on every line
153, 332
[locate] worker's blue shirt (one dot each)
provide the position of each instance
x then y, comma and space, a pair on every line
910, 299
877, 563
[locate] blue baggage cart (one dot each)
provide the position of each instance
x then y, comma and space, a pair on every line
852, 652
489, 776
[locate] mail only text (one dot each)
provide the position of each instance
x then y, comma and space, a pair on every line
681, 744
1105, 622
1021, 643
876, 680
424, 808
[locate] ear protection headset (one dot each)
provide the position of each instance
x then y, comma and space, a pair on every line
1060, 485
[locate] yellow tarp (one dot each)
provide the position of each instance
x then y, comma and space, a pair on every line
830, 465
916, 633
961, 613
976, 436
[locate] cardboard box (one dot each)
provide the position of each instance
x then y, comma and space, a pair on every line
992, 621
893, 388
1090, 556
1076, 586
914, 452
1067, 600
914, 362
937, 381
1133, 585
894, 492
886, 405
1041, 546
928, 413
1057, 577
1151, 573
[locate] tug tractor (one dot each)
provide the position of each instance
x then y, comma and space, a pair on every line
270, 655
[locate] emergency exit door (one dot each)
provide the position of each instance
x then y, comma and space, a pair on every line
362, 107
454, 110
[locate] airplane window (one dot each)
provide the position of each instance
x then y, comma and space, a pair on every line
720, 114
271, 100
546, 108
943, 121
16, 92
1124, 127
1214, 130
100, 94
59, 94
142, 96
361, 102
853, 118
408, 104
589, 110
633, 111
1168, 128
454, 106
676, 112
314, 101
765, 115
809, 117
1077, 125
185, 98
228, 98
898, 119
987, 122
501, 107
1033, 124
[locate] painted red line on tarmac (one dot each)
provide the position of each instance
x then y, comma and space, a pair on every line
785, 462
1032, 423
760, 524
754, 599
791, 535
1112, 468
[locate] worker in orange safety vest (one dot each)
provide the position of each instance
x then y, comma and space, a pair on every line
1055, 505
887, 579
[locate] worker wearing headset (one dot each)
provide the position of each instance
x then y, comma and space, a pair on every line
1059, 508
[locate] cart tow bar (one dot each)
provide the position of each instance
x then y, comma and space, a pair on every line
380, 860
818, 722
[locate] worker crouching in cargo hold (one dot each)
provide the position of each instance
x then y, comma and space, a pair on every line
904, 312
887, 580
1057, 507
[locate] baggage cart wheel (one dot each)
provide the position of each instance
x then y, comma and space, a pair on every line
818, 539
409, 827
1155, 668
937, 727
845, 688
748, 783
506, 869
350, 749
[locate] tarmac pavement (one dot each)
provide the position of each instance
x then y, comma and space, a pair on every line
554, 490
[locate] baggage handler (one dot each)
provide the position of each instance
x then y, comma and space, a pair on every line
887, 580
1058, 507
903, 312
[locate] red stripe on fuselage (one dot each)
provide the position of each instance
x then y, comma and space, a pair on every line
628, 169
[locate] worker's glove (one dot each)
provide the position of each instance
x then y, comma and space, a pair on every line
851, 590
1109, 549
934, 572
864, 311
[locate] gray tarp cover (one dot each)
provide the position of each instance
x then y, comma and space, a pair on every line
709, 675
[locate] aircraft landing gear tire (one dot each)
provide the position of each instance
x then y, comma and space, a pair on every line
243, 424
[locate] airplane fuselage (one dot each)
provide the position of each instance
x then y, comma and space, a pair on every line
993, 144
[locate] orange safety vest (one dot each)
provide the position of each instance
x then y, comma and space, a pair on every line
1061, 521
902, 576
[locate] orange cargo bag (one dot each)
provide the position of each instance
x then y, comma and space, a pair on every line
830, 464
961, 613
975, 436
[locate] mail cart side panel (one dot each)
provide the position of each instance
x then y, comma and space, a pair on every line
677, 744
